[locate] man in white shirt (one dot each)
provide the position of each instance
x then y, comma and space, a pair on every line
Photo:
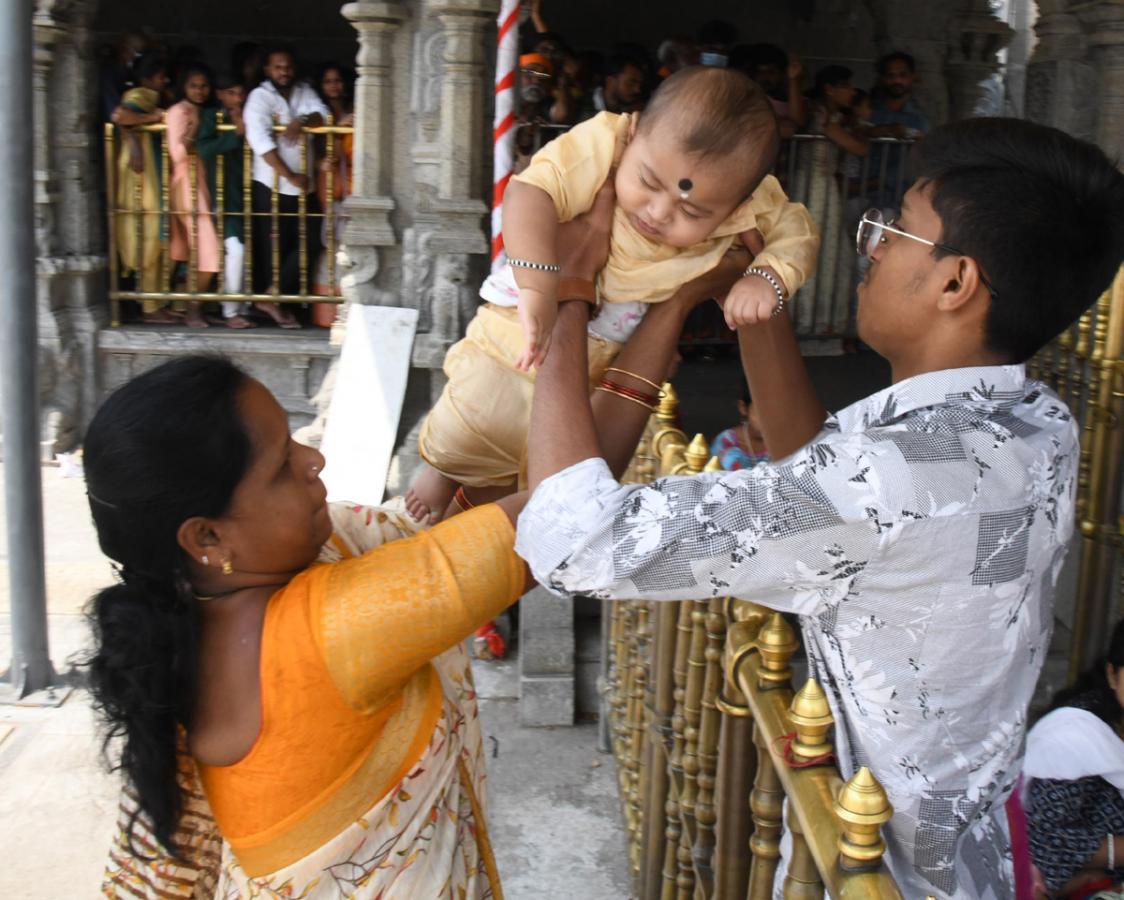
919, 533
281, 100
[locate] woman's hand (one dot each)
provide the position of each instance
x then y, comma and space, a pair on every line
583, 243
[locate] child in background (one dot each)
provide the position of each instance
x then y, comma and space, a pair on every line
191, 225
743, 446
692, 179
224, 149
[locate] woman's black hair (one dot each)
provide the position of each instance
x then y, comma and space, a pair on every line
830, 76
169, 445
194, 68
1092, 691
147, 65
348, 83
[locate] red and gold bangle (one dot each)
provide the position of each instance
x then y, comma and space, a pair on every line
648, 401
462, 501
655, 387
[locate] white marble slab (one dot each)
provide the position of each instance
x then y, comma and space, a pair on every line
367, 402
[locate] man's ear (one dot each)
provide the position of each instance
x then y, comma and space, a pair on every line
960, 283
198, 538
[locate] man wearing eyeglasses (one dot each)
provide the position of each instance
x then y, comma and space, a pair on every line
919, 533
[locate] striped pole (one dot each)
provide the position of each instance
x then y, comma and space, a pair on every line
503, 129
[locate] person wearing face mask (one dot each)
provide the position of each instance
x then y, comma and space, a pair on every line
715, 40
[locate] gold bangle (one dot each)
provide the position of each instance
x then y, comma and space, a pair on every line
657, 388
601, 387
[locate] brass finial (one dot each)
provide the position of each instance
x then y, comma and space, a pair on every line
776, 643
713, 465
810, 715
862, 806
696, 453
668, 409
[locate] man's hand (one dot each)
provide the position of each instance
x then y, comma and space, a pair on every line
538, 311
583, 243
299, 181
292, 131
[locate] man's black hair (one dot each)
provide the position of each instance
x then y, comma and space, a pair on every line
896, 56
224, 81
1041, 212
280, 47
616, 63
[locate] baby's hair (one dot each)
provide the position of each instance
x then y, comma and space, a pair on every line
717, 114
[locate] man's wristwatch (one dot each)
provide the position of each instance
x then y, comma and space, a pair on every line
577, 289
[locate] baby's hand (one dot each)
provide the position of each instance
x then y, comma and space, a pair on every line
751, 300
537, 312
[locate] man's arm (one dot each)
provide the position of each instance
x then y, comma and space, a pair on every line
784, 399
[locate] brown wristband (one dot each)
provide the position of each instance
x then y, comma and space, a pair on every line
577, 289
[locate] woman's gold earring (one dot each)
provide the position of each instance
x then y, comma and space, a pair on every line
227, 567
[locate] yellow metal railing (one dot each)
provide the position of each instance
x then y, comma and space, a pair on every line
700, 700
139, 224
1085, 365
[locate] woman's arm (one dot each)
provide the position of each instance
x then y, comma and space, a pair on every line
852, 143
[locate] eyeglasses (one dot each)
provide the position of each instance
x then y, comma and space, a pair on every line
535, 73
872, 232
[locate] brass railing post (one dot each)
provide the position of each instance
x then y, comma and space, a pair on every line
111, 210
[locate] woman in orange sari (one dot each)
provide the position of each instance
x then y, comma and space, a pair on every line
296, 707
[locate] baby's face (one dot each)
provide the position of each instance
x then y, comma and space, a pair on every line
649, 192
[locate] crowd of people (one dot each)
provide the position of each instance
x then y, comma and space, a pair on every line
142, 84
560, 86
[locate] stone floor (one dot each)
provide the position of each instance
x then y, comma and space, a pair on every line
553, 807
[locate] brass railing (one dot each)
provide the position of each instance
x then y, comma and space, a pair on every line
1085, 365
147, 213
700, 703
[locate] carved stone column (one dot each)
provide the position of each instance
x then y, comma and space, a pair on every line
1104, 23
370, 204
450, 220
1060, 82
975, 39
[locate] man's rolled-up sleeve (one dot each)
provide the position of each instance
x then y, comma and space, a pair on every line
259, 125
769, 534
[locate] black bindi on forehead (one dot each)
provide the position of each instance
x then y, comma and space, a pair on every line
685, 184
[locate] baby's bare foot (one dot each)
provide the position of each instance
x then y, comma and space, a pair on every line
430, 495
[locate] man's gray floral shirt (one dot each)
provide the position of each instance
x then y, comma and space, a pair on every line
919, 537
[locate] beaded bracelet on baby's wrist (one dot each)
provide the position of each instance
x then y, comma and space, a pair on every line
778, 289
516, 263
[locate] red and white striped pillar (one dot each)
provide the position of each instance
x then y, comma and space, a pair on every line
503, 129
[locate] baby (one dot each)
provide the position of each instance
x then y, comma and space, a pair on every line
691, 178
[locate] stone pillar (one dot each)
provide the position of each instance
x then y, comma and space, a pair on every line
450, 217
1104, 23
975, 39
69, 249
370, 206
1060, 82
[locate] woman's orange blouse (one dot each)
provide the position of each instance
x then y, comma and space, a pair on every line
349, 697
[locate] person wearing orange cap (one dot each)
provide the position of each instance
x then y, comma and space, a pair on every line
539, 104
